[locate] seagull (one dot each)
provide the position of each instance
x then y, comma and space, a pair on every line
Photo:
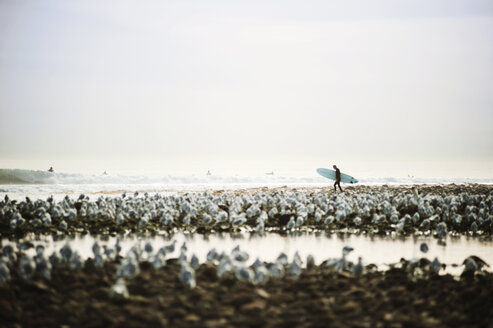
310, 262
43, 266
129, 268
290, 223
148, 248
260, 226
66, 252
63, 225
26, 267
96, 249
75, 261
282, 259
194, 262
212, 255
261, 275
423, 247
119, 289
224, 267
474, 227
329, 220
357, 269
341, 264
206, 219
276, 270
4, 272
435, 266
170, 248
294, 270
474, 263
8, 251
187, 275
245, 274
441, 229
98, 261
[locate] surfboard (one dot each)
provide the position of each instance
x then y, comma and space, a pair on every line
331, 174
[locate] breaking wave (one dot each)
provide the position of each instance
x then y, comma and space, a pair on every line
18, 176
31, 177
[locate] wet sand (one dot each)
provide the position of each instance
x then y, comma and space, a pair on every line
319, 298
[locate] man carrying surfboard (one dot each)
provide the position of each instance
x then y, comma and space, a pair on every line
338, 178
336, 175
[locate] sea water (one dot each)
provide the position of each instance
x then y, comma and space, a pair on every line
379, 250
19, 179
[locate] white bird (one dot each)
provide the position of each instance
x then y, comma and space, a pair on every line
224, 267
341, 264
294, 270
27, 267
260, 226
194, 262
276, 270
129, 268
206, 219
282, 259
261, 275
245, 274
66, 252
187, 275
329, 220
435, 266
291, 223
119, 289
441, 230
63, 225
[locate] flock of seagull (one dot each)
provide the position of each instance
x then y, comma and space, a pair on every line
404, 212
14, 258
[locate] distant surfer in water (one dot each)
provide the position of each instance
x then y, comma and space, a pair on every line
338, 178
51, 169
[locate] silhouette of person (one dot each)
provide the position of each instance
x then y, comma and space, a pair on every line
51, 169
338, 178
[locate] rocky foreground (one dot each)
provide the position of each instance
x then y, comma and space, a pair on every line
405, 210
93, 297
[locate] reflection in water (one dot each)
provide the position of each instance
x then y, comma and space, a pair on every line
380, 250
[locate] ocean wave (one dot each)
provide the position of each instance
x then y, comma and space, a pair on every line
18, 176
31, 177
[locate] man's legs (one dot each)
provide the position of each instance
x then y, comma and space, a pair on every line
339, 184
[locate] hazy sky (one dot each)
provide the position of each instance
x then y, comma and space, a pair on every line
196, 80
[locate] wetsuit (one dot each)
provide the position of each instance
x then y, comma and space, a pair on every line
338, 180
